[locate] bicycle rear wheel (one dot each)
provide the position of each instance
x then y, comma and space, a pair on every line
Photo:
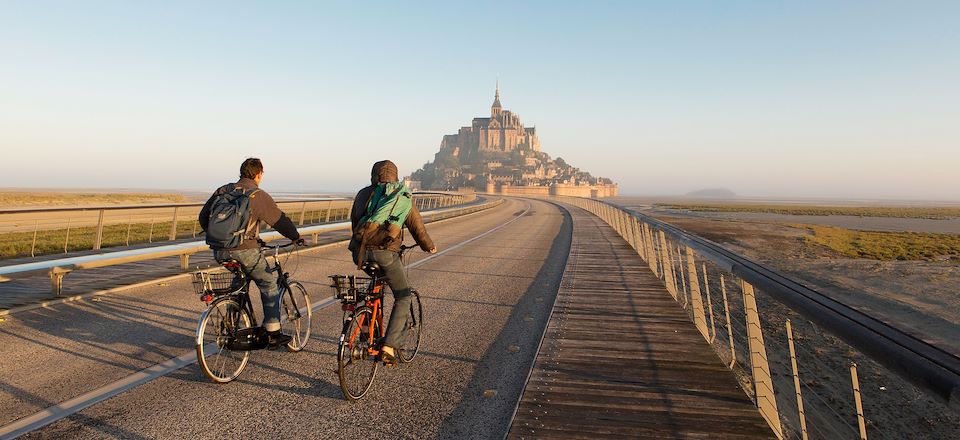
218, 327
410, 345
296, 314
356, 366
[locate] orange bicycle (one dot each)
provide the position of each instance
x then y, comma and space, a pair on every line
358, 352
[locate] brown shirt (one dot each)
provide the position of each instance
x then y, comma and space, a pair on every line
262, 209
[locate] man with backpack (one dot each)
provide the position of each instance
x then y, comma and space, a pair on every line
379, 213
231, 219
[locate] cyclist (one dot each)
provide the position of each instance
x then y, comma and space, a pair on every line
262, 209
386, 254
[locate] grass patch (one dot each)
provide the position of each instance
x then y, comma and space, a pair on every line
886, 245
932, 213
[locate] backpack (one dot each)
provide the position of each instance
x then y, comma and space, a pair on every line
229, 218
387, 209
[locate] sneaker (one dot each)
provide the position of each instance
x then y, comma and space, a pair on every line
277, 339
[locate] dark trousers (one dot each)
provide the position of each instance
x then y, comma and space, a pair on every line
392, 268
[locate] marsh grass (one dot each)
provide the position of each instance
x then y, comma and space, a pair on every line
886, 245
81, 238
933, 213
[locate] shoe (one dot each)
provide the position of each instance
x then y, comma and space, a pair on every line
388, 359
277, 339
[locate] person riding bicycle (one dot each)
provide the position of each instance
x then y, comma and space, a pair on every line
262, 209
384, 250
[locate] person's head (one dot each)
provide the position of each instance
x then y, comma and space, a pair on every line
384, 171
252, 168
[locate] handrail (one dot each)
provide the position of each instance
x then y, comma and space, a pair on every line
59, 267
142, 206
928, 367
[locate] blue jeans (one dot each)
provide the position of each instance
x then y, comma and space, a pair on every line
255, 266
393, 271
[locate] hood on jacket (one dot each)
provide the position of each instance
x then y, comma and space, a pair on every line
384, 171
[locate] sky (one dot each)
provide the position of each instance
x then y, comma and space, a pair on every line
848, 99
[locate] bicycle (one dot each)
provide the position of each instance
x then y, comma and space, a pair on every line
228, 331
362, 337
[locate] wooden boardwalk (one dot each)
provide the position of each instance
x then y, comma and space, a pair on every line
620, 358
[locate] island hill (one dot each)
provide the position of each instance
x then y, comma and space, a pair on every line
497, 154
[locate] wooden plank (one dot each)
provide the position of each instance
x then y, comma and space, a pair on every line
620, 358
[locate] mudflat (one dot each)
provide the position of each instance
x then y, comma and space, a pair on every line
11, 199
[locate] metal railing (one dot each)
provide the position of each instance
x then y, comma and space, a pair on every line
815, 367
44, 231
434, 210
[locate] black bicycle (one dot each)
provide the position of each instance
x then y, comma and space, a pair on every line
228, 329
362, 337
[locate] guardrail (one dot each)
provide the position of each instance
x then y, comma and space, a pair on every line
873, 378
59, 268
33, 232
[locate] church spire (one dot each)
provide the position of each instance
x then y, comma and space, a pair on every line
495, 109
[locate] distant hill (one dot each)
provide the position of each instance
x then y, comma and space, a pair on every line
715, 193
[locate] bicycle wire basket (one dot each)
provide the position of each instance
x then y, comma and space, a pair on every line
217, 283
348, 288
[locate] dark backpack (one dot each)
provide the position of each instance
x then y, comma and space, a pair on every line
229, 218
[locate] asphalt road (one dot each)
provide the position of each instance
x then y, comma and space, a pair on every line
486, 303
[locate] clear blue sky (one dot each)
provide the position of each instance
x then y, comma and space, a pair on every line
823, 99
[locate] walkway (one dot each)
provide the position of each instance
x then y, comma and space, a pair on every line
620, 358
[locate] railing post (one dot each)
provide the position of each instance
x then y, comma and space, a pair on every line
651, 250
150, 237
66, 240
668, 279
856, 398
303, 212
696, 300
683, 278
129, 225
329, 205
706, 285
796, 382
184, 261
173, 225
621, 223
762, 382
726, 310
33, 246
98, 238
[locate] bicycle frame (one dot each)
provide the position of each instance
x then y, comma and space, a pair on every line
376, 305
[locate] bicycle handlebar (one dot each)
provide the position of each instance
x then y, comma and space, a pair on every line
264, 245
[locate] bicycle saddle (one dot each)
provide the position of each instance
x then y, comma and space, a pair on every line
372, 268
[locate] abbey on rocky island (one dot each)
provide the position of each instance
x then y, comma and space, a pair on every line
497, 154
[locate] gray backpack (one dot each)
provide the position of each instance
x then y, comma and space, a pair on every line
229, 218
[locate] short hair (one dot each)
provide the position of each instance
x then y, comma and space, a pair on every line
251, 167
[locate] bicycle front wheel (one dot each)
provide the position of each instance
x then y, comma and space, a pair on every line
296, 314
218, 328
410, 345
356, 365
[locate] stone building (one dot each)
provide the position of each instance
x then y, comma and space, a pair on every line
501, 132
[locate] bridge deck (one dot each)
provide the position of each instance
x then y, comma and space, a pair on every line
621, 358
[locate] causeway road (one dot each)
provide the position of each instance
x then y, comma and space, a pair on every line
487, 298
